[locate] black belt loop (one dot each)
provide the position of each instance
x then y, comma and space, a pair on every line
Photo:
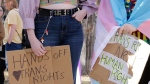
71, 12
51, 12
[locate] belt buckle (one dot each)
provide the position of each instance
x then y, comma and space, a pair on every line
65, 13
56, 12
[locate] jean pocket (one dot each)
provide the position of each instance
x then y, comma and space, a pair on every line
40, 18
77, 20
74, 22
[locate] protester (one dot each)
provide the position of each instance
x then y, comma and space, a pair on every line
133, 18
129, 4
2, 48
54, 23
13, 26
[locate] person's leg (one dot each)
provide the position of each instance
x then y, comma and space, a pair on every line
2, 69
2, 65
145, 78
73, 36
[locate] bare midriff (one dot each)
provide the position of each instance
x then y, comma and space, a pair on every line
58, 4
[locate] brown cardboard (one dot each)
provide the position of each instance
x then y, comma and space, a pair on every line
135, 61
53, 68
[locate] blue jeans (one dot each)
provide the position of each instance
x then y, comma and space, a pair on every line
62, 30
13, 46
10, 47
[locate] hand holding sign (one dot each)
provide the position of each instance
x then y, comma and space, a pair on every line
122, 61
27, 68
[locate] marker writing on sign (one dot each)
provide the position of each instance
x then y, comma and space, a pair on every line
41, 69
51, 76
124, 40
60, 53
23, 59
118, 76
111, 61
122, 54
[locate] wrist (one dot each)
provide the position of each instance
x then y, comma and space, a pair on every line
31, 35
9, 41
85, 12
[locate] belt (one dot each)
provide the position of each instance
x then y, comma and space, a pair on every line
60, 12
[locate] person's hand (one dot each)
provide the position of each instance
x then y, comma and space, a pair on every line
79, 15
37, 47
9, 41
127, 29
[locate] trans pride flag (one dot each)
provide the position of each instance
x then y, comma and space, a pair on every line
112, 15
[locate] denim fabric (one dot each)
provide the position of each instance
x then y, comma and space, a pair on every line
62, 30
13, 46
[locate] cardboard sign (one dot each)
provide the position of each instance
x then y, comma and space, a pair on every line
52, 68
122, 61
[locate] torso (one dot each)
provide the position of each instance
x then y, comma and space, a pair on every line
19, 25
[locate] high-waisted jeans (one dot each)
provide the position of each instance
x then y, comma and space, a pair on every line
62, 30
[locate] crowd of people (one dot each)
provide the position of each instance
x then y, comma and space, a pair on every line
54, 23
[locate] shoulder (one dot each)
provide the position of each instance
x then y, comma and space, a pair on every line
13, 12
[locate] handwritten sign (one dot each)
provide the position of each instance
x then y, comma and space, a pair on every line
122, 61
26, 68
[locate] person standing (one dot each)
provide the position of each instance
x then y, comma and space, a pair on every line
129, 5
132, 16
55, 23
13, 26
2, 49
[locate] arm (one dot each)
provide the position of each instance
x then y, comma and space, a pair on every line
28, 10
12, 22
89, 6
11, 32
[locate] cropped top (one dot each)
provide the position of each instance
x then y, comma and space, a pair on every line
49, 2
29, 8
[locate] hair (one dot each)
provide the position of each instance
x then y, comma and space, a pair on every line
3, 10
14, 5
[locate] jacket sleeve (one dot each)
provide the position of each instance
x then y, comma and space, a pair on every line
89, 6
28, 10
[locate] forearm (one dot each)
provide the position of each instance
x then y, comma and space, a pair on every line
11, 34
